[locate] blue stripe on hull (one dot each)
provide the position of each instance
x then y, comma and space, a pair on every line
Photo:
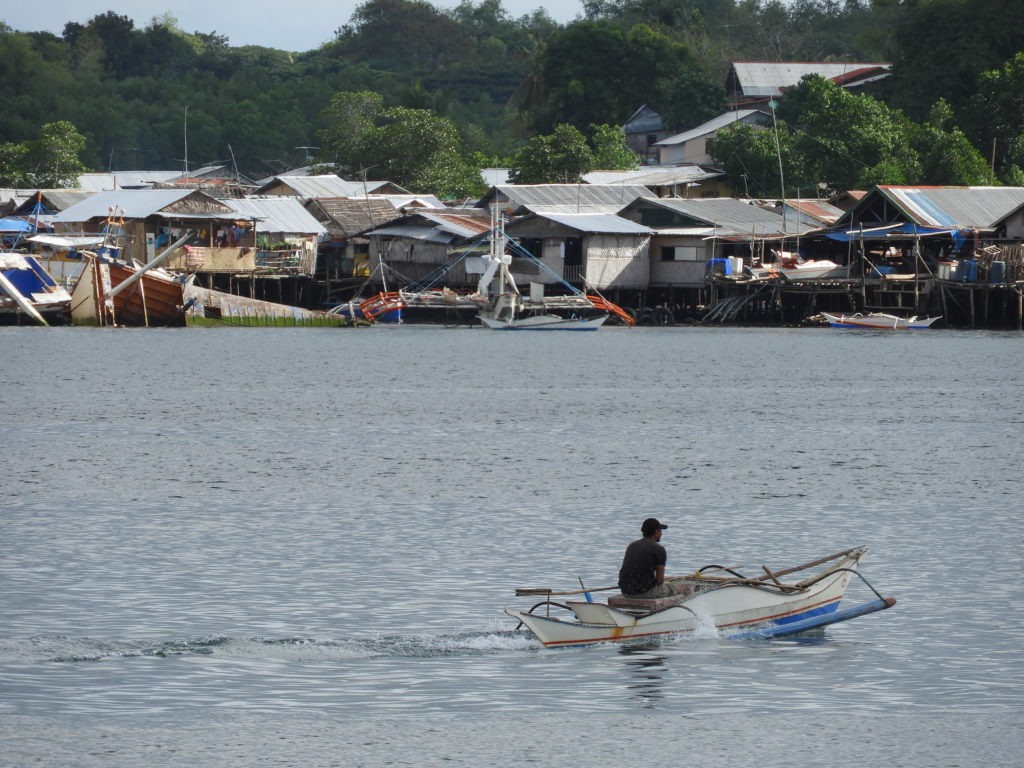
820, 619
821, 610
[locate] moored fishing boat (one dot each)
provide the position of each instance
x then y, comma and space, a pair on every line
879, 320
503, 307
736, 606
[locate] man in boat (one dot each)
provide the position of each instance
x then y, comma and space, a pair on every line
643, 567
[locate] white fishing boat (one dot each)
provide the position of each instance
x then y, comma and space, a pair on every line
795, 268
497, 301
878, 320
734, 605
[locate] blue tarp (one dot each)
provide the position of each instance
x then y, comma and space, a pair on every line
15, 225
908, 228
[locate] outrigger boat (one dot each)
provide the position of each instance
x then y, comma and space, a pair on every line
737, 606
878, 320
501, 307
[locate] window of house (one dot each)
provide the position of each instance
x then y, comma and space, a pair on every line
681, 253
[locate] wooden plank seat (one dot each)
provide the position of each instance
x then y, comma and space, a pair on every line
644, 604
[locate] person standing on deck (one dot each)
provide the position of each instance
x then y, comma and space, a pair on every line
642, 574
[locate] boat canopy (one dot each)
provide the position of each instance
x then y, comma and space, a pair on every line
907, 228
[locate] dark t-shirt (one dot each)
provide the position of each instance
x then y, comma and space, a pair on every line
642, 557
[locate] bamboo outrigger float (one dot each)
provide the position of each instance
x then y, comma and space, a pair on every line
737, 606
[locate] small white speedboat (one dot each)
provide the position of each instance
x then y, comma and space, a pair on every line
737, 606
879, 320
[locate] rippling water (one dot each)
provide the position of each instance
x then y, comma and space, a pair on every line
292, 547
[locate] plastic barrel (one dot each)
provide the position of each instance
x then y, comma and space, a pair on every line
997, 272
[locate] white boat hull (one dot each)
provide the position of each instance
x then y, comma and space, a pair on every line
878, 320
544, 323
732, 609
813, 270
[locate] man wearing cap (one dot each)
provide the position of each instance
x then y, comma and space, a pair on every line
643, 567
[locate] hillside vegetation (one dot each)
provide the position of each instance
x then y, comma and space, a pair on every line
488, 83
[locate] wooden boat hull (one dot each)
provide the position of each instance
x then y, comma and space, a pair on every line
878, 321
154, 300
733, 609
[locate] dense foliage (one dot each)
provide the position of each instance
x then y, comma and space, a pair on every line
487, 84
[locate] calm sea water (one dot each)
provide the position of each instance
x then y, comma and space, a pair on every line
293, 547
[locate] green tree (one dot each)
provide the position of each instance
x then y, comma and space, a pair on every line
748, 155
400, 35
943, 46
49, 161
611, 153
996, 116
348, 119
851, 140
596, 72
825, 135
421, 151
416, 148
559, 158
947, 156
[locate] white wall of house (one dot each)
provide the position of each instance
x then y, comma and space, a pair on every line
679, 260
692, 151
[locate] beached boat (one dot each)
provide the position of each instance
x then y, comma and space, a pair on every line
28, 293
733, 605
878, 320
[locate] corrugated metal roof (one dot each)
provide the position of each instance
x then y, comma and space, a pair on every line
569, 198
54, 199
814, 209
654, 176
730, 216
326, 185
768, 78
711, 126
966, 207
277, 214
416, 231
134, 203
598, 223
98, 182
410, 200
463, 226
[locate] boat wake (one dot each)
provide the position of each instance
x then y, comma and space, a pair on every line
64, 649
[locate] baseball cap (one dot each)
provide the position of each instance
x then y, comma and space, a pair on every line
650, 525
